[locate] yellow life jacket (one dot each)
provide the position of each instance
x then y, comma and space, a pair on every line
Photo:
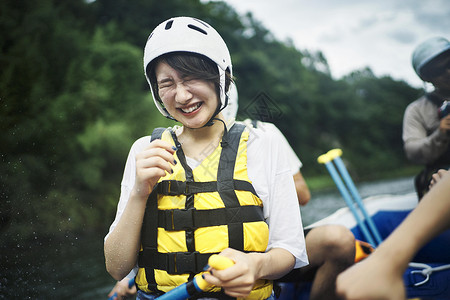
192, 214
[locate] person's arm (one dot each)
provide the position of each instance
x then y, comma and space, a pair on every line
420, 146
303, 193
385, 267
123, 243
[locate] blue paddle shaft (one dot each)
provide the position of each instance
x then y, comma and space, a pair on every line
180, 292
331, 169
348, 180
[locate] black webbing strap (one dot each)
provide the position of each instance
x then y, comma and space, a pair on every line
174, 262
157, 133
225, 183
182, 219
174, 187
189, 204
149, 232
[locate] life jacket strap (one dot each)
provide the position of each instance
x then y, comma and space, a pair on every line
174, 262
175, 187
184, 219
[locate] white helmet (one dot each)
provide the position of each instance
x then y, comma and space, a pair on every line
230, 111
186, 34
426, 52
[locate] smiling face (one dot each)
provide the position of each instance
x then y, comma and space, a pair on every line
189, 100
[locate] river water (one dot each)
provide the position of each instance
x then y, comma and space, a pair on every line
74, 267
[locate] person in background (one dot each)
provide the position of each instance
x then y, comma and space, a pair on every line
426, 122
200, 188
380, 276
330, 248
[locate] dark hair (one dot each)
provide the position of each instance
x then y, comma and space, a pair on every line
188, 65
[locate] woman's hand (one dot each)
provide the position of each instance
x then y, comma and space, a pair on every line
237, 280
152, 164
122, 289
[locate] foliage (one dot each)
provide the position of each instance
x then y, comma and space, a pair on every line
73, 99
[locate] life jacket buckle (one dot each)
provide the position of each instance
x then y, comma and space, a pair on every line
180, 219
182, 262
187, 189
173, 188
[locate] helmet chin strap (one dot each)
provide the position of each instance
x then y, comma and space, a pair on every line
218, 110
211, 121
224, 141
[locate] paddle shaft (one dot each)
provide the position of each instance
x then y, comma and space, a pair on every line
345, 194
348, 180
332, 158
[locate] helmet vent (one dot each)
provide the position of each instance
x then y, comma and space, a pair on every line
169, 25
198, 29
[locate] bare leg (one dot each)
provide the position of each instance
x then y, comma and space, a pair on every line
331, 250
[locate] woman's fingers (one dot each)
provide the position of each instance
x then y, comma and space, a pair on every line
156, 154
236, 280
153, 163
156, 158
235, 287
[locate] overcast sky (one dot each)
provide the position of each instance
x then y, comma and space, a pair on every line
353, 34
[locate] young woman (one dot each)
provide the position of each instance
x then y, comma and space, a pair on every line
201, 188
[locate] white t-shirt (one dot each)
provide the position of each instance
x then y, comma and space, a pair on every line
271, 176
294, 162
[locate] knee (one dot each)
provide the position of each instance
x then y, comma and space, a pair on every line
339, 241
